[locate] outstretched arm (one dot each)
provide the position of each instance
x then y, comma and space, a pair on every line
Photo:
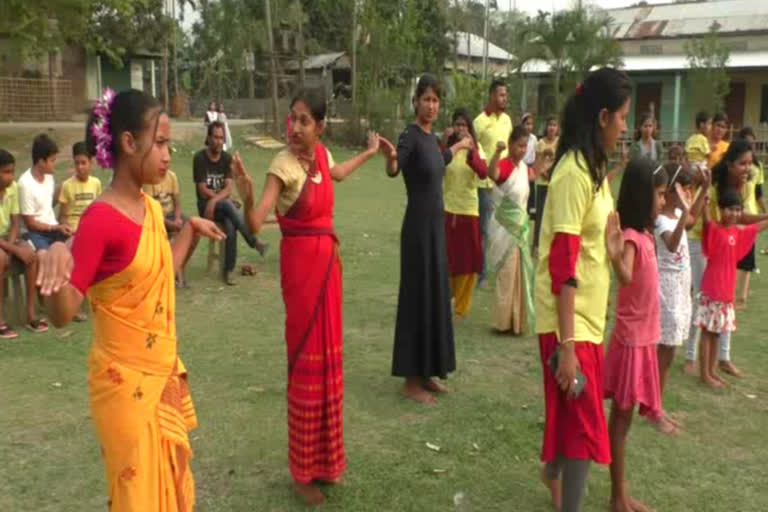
188, 236
340, 171
255, 213
62, 300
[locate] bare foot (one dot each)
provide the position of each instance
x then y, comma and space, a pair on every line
729, 368
691, 369
638, 506
555, 489
712, 383
435, 387
622, 504
310, 494
719, 379
666, 427
670, 418
418, 394
740, 304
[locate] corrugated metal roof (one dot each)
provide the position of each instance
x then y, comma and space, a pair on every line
738, 60
689, 19
317, 61
476, 47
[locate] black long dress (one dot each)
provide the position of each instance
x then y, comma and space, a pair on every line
424, 330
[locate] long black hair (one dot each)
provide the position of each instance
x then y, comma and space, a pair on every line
636, 194
606, 88
128, 114
464, 114
736, 150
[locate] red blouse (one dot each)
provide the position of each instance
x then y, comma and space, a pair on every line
105, 244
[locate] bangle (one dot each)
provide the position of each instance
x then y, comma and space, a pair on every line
567, 341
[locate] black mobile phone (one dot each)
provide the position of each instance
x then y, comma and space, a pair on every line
581, 379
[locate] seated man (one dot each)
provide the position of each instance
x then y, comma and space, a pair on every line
213, 177
167, 193
78, 192
15, 253
36, 196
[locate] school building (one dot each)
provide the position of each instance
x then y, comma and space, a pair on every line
653, 39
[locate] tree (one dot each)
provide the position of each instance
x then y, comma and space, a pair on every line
572, 42
707, 59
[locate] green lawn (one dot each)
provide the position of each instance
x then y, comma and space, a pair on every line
489, 430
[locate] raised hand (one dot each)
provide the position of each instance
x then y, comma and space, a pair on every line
373, 141
706, 177
501, 146
387, 148
683, 197
447, 133
614, 239
242, 179
54, 268
465, 143
206, 228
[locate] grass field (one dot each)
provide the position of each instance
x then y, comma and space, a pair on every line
489, 430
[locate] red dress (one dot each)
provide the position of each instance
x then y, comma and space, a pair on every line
311, 283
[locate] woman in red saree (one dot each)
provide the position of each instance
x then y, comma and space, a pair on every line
299, 186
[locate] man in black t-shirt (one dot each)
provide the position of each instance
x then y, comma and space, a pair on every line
213, 179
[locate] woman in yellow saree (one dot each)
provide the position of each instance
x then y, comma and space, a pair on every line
121, 258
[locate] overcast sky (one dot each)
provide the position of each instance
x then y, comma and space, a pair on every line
529, 6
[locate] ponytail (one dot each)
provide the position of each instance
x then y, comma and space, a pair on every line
606, 88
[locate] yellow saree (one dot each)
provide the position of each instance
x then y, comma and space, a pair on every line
140, 401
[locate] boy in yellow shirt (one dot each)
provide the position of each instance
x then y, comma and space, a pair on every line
168, 194
15, 254
697, 146
79, 191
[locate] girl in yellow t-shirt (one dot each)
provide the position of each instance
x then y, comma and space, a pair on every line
572, 282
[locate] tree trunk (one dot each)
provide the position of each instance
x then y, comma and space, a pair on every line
175, 53
250, 69
164, 78
456, 37
354, 56
301, 47
485, 40
272, 70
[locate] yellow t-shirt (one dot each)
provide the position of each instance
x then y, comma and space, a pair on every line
9, 206
697, 148
490, 129
695, 232
718, 150
542, 146
748, 197
460, 185
288, 169
574, 207
78, 195
164, 192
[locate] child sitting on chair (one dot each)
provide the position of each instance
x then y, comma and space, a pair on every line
15, 254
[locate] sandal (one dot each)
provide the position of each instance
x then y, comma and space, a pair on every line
7, 333
38, 326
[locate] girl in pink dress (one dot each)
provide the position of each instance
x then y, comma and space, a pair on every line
631, 367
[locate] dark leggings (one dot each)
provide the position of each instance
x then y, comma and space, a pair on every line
574, 479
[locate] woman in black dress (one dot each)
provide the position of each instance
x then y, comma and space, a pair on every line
424, 330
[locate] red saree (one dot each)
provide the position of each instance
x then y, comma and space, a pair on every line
311, 281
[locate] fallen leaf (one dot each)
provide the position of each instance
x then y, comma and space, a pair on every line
56, 384
458, 498
256, 389
66, 334
499, 428
751, 396
433, 447
476, 447
525, 407
439, 471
